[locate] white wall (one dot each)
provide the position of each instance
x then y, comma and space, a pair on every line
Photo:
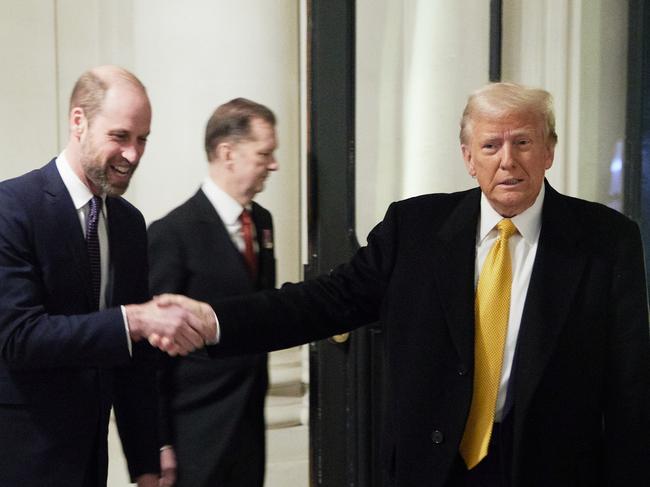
28, 85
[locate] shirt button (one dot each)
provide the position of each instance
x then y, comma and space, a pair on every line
462, 371
437, 437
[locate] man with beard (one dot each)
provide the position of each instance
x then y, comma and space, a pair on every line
73, 254
213, 411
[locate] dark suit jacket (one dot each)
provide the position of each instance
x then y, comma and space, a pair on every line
213, 411
62, 365
580, 406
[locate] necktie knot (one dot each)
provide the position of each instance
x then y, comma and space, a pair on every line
245, 217
506, 229
94, 208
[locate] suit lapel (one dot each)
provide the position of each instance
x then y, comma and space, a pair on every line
265, 255
557, 271
215, 233
61, 213
118, 245
454, 275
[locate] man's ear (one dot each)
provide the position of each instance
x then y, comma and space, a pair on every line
467, 157
224, 153
78, 121
550, 156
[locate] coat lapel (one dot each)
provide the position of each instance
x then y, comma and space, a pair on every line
557, 271
62, 214
214, 231
454, 276
119, 242
265, 254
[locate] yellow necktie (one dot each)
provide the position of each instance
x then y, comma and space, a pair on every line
492, 309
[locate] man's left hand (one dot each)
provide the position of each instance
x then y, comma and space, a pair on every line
147, 480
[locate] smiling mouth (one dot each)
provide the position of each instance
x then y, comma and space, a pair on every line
123, 171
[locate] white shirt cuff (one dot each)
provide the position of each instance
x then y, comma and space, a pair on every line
128, 334
217, 337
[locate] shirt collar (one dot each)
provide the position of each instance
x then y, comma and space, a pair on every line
226, 206
528, 223
79, 192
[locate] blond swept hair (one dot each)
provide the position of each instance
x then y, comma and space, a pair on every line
502, 99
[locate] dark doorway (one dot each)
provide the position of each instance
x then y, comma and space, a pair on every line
637, 143
344, 397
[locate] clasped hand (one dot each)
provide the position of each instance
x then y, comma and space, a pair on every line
173, 323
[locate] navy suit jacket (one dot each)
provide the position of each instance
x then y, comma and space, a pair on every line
62, 364
580, 411
212, 410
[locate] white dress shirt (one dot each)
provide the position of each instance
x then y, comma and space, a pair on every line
229, 210
81, 197
523, 248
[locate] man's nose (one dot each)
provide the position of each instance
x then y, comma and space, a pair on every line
131, 154
507, 156
273, 164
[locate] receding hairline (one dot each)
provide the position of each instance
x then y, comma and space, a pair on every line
111, 70
91, 87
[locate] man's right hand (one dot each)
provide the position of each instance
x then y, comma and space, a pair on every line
180, 330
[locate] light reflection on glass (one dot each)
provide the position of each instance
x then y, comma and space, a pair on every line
615, 192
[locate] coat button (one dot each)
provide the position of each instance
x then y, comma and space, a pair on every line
437, 437
462, 371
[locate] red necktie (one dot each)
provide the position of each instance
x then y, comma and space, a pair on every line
249, 249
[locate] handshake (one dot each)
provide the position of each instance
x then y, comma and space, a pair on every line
173, 323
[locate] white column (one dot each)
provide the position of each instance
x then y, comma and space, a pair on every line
448, 58
538, 51
417, 61
578, 52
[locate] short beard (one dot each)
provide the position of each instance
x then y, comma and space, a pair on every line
96, 173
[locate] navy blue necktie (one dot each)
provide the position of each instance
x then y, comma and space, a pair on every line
92, 246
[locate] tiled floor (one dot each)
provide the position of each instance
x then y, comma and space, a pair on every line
288, 453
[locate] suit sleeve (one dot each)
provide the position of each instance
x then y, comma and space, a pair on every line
30, 336
348, 297
135, 392
627, 408
136, 412
166, 275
